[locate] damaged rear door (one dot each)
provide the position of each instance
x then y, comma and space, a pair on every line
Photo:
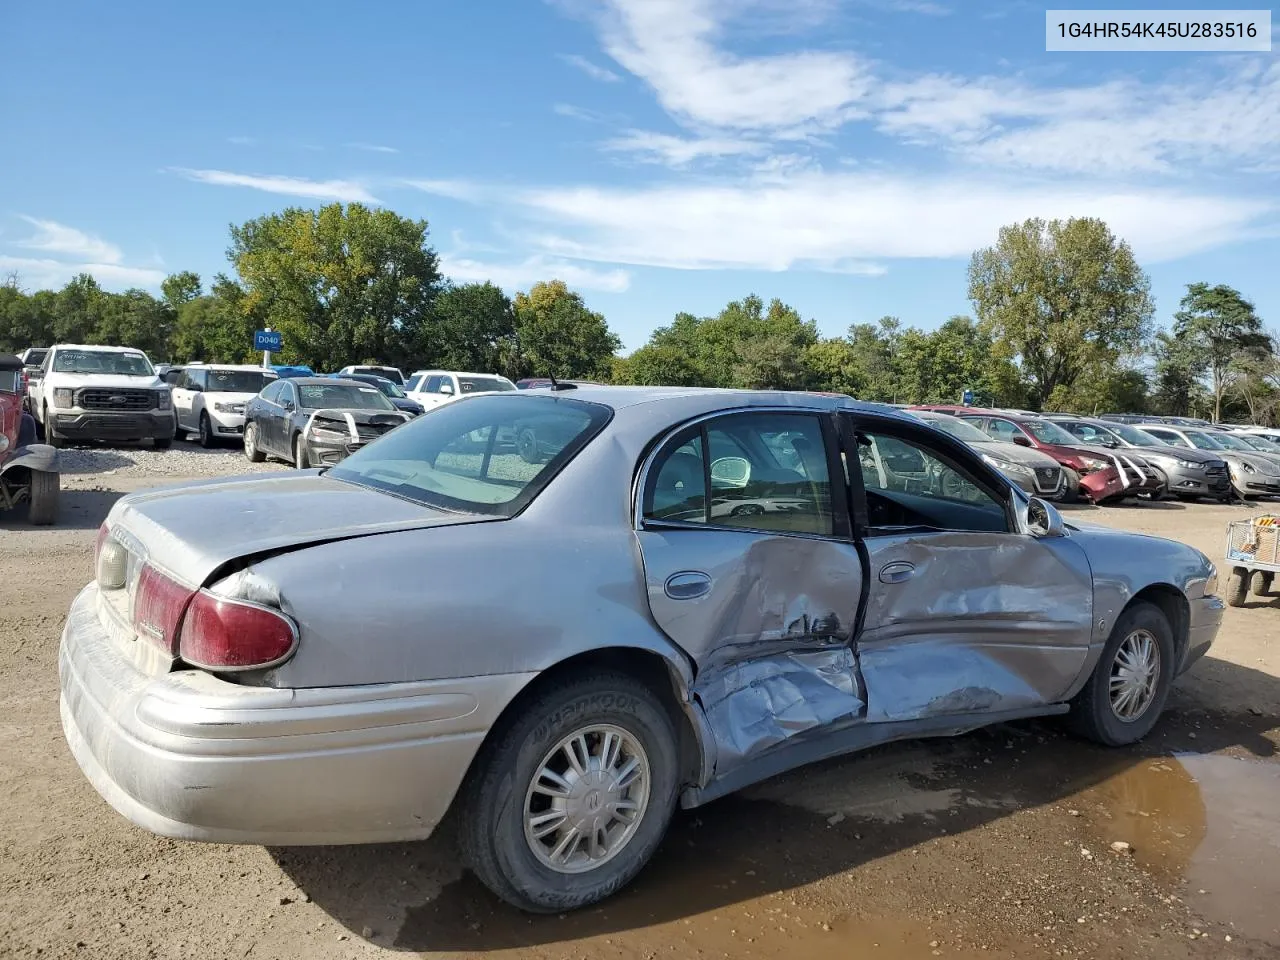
751, 570
966, 613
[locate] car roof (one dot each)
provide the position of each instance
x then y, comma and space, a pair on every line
321, 381
202, 365
618, 398
462, 373
97, 346
8, 362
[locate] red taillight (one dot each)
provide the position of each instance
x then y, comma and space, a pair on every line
158, 603
221, 634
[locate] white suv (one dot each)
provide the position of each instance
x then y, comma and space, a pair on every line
101, 393
209, 399
387, 373
434, 387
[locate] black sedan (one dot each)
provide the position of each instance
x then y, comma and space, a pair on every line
316, 421
389, 389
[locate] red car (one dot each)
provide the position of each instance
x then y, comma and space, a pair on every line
28, 470
1095, 470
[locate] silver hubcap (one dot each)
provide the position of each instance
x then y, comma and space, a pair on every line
587, 799
251, 438
1134, 675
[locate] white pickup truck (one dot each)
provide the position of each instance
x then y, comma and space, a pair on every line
101, 393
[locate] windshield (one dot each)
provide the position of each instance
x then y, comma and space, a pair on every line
1047, 432
103, 361
343, 396
1260, 442
489, 455
484, 384
1139, 438
1202, 440
237, 381
388, 388
957, 428
36, 357
1232, 443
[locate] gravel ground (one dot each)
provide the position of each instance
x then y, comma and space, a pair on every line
182, 460
997, 844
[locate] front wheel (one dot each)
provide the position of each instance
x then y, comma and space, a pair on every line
206, 431
301, 458
51, 436
1237, 587
252, 451
1129, 686
43, 497
570, 798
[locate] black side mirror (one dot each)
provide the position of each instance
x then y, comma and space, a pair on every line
288, 406
1022, 441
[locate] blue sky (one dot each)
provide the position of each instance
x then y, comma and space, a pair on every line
659, 155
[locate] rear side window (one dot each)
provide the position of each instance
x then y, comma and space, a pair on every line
758, 471
490, 455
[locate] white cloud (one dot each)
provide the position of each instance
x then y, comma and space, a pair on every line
346, 191
670, 45
812, 219
242, 141
592, 70
518, 276
681, 151
42, 273
372, 147
578, 113
1121, 127
53, 237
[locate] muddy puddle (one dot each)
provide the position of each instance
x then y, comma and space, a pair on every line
1211, 821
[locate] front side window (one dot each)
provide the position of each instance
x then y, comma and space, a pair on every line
1004, 430
1046, 431
9, 382
759, 471
484, 384
1169, 437
273, 391
432, 385
911, 485
103, 361
490, 455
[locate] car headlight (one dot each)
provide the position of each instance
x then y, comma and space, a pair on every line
165, 400
1189, 464
1092, 463
1249, 468
4, 443
63, 397
325, 435
1007, 466
1211, 582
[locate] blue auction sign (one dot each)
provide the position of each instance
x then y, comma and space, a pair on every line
968, 398
268, 340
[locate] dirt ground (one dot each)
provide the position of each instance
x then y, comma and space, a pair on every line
997, 844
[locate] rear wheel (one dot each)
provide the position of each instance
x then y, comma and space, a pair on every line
527, 446
1237, 587
43, 498
206, 431
1129, 686
251, 449
1260, 583
570, 798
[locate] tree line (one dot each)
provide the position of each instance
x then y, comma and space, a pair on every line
1063, 320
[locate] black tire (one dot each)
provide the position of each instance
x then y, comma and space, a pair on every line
527, 446
162, 443
27, 430
747, 510
301, 458
207, 439
253, 453
1092, 715
43, 498
1237, 587
491, 803
51, 436
1259, 583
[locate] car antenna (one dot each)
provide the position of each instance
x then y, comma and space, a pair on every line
557, 385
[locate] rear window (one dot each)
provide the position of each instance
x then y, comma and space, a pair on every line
484, 384
36, 357
490, 454
238, 381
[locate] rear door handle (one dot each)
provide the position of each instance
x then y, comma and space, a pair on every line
897, 572
688, 585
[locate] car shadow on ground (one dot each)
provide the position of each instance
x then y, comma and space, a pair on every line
773, 837
78, 510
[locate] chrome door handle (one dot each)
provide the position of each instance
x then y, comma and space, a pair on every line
897, 572
687, 585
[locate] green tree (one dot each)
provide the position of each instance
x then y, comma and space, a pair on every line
1219, 326
180, 288
657, 364
216, 327
134, 319
831, 367
556, 335
472, 327
78, 310
344, 284
1062, 296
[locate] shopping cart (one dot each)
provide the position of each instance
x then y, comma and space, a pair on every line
1253, 551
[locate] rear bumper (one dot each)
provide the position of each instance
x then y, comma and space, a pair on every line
105, 425
187, 755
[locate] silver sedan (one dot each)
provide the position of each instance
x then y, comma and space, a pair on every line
562, 648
